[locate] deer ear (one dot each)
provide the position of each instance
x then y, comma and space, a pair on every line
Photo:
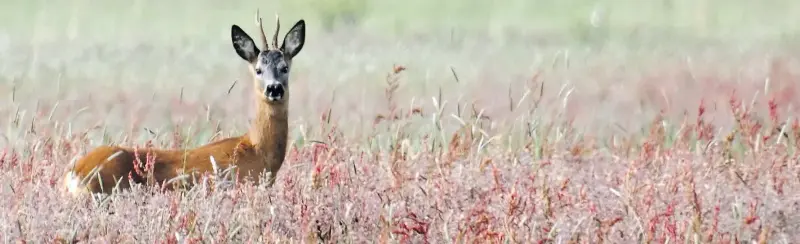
243, 44
295, 38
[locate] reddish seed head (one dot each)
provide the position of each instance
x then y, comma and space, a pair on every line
398, 68
773, 110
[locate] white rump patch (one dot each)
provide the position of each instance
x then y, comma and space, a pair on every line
73, 184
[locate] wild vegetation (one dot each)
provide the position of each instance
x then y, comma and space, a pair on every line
524, 122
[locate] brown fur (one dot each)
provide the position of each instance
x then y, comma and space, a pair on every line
260, 150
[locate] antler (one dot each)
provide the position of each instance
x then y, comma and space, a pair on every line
259, 22
277, 30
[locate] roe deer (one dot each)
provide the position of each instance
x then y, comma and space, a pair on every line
261, 149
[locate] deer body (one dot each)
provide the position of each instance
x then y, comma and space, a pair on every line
261, 150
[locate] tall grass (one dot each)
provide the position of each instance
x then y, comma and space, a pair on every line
423, 122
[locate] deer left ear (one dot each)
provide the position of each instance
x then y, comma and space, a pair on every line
294, 40
243, 44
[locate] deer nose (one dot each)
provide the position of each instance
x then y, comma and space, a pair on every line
274, 91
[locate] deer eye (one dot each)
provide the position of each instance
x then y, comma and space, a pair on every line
258, 71
284, 69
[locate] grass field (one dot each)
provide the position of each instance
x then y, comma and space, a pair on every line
521, 121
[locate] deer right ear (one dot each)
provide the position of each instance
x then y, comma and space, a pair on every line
243, 44
295, 38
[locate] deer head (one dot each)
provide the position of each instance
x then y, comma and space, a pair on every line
270, 65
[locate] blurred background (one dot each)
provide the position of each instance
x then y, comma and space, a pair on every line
173, 59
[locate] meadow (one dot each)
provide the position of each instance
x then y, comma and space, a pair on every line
452, 121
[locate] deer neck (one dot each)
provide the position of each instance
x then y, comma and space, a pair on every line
269, 129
